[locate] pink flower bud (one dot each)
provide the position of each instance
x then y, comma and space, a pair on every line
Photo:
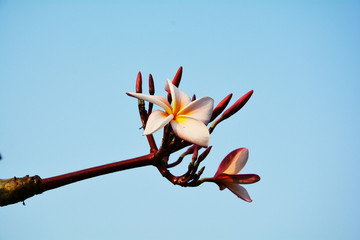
176, 82
190, 150
227, 174
139, 83
237, 105
151, 85
204, 154
239, 178
177, 77
220, 107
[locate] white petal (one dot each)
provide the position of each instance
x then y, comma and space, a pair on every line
179, 98
157, 120
158, 100
200, 109
191, 130
239, 191
238, 161
167, 88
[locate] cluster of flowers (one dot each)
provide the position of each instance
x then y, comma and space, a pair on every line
187, 119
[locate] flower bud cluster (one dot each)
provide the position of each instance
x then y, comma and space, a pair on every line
185, 121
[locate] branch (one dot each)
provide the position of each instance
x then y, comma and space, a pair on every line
15, 190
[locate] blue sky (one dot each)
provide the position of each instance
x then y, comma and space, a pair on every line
64, 70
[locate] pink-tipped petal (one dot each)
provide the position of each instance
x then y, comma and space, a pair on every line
200, 109
157, 120
191, 130
239, 191
167, 88
158, 100
233, 162
179, 98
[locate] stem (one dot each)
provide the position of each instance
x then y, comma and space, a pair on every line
144, 117
152, 143
62, 180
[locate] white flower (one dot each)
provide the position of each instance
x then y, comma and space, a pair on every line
188, 119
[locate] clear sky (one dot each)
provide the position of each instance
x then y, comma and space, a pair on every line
65, 67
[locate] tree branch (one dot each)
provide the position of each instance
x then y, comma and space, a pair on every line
15, 190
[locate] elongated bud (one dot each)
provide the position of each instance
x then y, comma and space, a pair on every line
195, 154
139, 83
232, 110
200, 172
193, 98
190, 150
220, 107
151, 85
204, 154
176, 82
177, 77
151, 92
237, 105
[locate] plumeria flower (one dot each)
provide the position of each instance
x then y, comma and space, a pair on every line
227, 177
188, 119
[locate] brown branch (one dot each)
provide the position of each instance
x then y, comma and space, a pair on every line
15, 190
